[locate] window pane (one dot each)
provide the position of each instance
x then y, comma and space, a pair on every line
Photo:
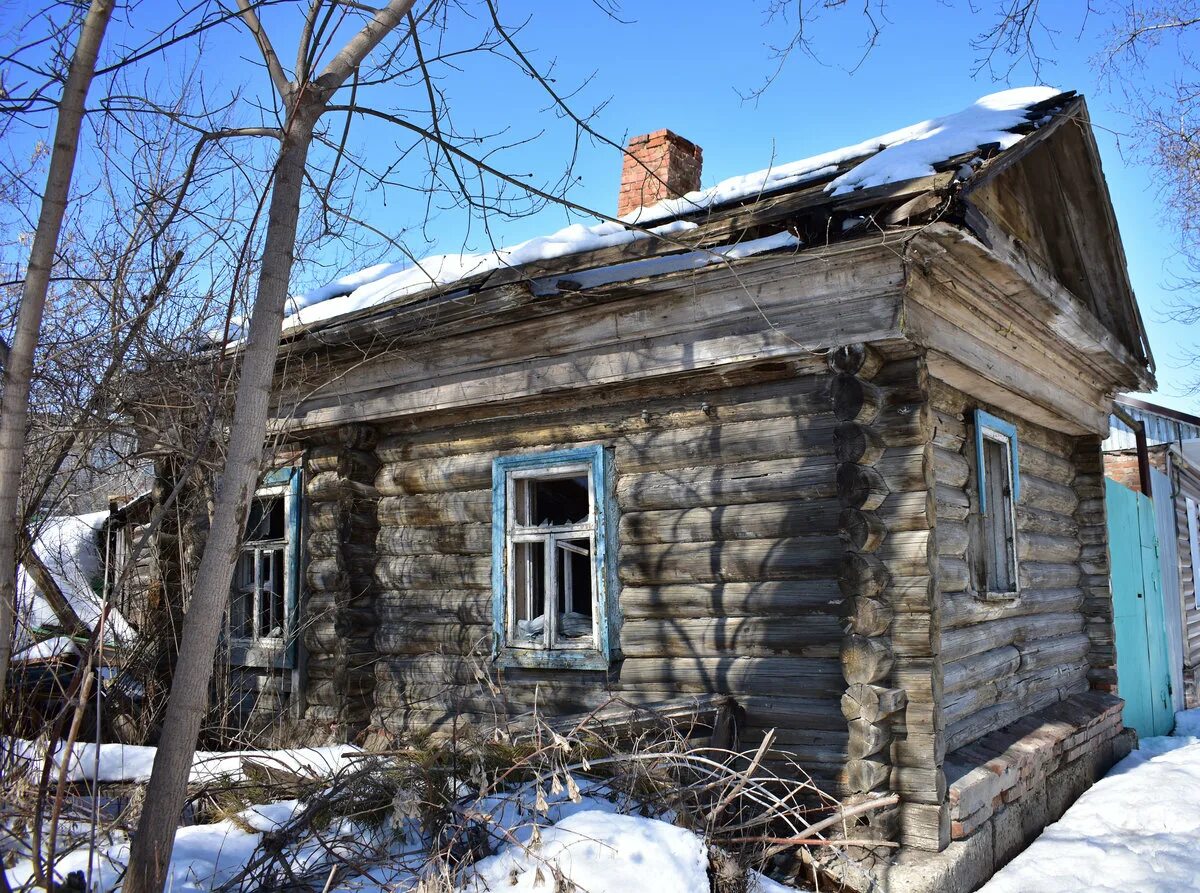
529, 585
997, 522
241, 600
270, 603
266, 521
574, 589
546, 502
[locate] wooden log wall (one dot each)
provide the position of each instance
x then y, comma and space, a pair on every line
1003, 658
729, 553
880, 453
1091, 515
340, 615
141, 590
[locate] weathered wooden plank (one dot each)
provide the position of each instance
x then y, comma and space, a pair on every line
448, 606
732, 599
411, 317
950, 468
777, 390
911, 594
811, 636
605, 360
1011, 352
438, 637
1048, 496
1047, 575
986, 635
426, 509
962, 609
434, 571
791, 676
327, 516
760, 520
1031, 520
1047, 547
954, 575
952, 538
998, 715
1059, 677
455, 539
468, 472
741, 482
795, 558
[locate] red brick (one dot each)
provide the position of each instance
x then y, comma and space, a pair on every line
659, 165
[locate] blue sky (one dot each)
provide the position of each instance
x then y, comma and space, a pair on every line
681, 65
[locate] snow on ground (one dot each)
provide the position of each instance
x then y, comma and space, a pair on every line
69, 547
205, 856
582, 832
130, 762
899, 155
600, 852
1137, 830
604, 852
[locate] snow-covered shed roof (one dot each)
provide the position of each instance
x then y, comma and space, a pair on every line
951, 143
69, 548
1016, 175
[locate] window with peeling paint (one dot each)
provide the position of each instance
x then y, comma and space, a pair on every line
552, 569
997, 474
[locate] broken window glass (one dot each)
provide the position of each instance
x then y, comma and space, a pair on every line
551, 567
258, 600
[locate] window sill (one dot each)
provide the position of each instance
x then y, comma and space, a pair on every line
998, 596
532, 659
259, 653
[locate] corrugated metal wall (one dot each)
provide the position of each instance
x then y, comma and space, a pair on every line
1159, 429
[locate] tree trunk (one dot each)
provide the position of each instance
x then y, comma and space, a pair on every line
150, 853
155, 837
14, 411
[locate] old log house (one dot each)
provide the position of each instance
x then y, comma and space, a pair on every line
825, 439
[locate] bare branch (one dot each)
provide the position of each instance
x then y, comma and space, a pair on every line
360, 46
282, 85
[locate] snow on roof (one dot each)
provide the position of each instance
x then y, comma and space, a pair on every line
900, 155
46, 649
69, 548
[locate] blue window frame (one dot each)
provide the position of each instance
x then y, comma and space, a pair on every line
266, 581
998, 476
553, 568
989, 427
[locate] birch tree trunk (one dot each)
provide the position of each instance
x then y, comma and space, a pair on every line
305, 101
155, 837
18, 371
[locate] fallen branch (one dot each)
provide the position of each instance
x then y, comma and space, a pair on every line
810, 841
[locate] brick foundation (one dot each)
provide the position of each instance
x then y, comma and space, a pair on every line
1007, 786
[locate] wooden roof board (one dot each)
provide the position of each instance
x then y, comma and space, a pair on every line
1049, 195
729, 226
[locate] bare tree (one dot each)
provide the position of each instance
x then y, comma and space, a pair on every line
305, 99
18, 370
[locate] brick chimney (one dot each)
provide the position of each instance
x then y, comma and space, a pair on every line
659, 165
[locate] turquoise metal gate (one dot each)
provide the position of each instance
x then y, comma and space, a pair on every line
1143, 668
